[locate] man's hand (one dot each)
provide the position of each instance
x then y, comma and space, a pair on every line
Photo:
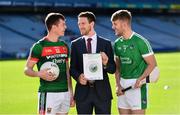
72, 102
104, 58
45, 75
119, 91
138, 83
82, 79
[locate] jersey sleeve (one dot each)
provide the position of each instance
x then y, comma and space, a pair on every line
68, 52
115, 48
35, 52
145, 48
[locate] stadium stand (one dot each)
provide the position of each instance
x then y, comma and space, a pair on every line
19, 32
96, 1
143, 4
25, 25
162, 33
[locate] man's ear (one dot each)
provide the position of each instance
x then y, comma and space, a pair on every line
53, 26
125, 23
92, 23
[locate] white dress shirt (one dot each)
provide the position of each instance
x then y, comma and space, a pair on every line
93, 42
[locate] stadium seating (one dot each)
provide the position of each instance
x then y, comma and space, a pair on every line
159, 31
98, 1
19, 32
93, 3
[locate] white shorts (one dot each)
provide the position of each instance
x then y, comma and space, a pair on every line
53, 102
134, 99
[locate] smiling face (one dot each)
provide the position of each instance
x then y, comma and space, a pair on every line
84, 26
121, 22
118, 27
59, 28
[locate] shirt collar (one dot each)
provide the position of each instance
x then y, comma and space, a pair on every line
129, 37
94, 37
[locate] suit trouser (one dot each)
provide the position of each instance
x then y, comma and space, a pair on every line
93, 101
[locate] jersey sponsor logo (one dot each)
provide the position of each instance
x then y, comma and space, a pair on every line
59, 60
126, 60
57, 56
54, 50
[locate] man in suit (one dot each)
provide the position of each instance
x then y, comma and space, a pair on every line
91, 94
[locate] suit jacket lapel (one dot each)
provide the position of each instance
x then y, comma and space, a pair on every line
98, 45
84, 49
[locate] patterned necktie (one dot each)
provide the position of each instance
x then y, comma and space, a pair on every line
89, 50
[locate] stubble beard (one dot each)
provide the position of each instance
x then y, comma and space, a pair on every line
85, 32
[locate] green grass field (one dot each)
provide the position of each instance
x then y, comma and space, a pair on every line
18, 93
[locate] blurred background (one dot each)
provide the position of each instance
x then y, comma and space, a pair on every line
22, 22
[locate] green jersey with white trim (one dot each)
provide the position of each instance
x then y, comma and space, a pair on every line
57, 52
131, 52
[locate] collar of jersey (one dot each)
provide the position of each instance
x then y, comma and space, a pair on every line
128, 38
47, 39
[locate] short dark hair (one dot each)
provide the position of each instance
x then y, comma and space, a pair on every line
122, 15
89, 15
52, 19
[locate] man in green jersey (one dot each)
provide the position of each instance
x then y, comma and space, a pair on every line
134, 61
55, 94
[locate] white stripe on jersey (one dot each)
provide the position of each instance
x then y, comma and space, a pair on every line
147, 43
146, 55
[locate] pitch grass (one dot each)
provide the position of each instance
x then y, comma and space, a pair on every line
18, 93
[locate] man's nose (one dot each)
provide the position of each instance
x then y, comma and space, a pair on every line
112, 27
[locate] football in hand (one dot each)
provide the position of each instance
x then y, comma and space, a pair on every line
52, 68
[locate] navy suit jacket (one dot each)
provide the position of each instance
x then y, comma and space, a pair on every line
102, 87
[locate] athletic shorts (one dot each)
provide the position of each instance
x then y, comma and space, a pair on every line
134, 99
53, 102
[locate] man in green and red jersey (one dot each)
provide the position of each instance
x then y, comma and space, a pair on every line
55, 94
134, 61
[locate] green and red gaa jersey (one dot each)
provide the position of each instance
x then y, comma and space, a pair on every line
131, 53
57, 52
